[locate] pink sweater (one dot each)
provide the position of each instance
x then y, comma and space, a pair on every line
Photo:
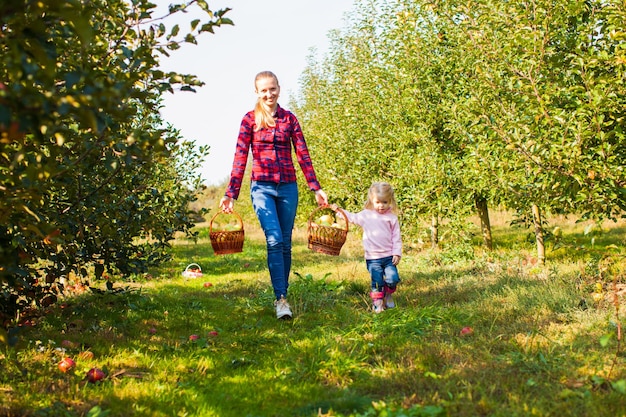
381, 233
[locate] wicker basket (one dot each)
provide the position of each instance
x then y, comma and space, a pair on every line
192, 271
327, 239
226, 241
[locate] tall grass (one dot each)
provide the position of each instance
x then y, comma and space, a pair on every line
542, 344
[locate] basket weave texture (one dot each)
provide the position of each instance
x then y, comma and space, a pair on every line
226, 241
327, 239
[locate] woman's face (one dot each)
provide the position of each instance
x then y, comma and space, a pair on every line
268, 90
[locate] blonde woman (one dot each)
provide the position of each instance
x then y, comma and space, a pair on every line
271, 131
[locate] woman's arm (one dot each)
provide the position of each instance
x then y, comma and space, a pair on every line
244, 140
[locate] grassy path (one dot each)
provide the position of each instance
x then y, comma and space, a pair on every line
536, 349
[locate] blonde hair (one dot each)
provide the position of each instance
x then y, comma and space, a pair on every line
384, 191
263, 117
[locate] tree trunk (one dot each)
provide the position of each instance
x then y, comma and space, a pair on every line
485, 224
434, 231
541, 248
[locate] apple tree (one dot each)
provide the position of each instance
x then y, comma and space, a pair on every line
547, 92
92, 179
463, 105
385, 97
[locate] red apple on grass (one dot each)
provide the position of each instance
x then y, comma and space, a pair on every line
95, 375
66, 364
466, 331
213, 333
194, 337
207, 285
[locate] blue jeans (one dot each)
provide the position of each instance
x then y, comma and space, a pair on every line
275, 205
383, 273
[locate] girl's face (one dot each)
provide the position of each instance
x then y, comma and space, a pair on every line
268, 90
381, 205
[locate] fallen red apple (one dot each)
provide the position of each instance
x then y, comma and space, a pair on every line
213, 333
95, 375
66, 364
207, 284
152, 330
194, 337
466, 331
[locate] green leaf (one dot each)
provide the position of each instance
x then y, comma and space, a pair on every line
604, 340
620, 386
174, 31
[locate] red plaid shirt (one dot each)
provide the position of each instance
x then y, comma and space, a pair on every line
271, 152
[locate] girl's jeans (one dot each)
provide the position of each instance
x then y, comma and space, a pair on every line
383, 272
275, 206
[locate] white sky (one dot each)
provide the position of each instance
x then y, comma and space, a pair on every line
275, 35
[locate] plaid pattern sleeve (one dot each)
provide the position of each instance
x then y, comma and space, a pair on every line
271, 153
244, 140
303, 156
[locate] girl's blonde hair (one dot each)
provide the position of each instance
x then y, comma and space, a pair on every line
384, 191
263, 117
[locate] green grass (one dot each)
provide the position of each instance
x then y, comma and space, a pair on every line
542, 346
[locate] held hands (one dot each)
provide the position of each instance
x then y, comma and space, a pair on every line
226, 204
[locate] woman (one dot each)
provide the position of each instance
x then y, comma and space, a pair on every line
269, 130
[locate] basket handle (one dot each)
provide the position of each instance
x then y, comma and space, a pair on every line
224, 213
190, 265
327, 206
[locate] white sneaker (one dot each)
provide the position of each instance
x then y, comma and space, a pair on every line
283, 311
388, 300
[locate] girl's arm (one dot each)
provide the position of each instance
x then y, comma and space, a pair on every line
396, 241
351, 216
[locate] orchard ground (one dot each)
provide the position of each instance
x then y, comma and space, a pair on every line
494, 334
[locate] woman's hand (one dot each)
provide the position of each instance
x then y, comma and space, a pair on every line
226, 204
321, 197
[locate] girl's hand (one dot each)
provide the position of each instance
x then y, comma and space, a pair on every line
395, 259
321, 198
226, 204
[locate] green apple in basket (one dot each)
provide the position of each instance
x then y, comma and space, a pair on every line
326, 220
232, 227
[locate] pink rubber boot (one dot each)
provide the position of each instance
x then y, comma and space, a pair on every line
377, 301
387, 298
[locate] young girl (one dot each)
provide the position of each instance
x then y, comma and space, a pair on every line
381, 241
